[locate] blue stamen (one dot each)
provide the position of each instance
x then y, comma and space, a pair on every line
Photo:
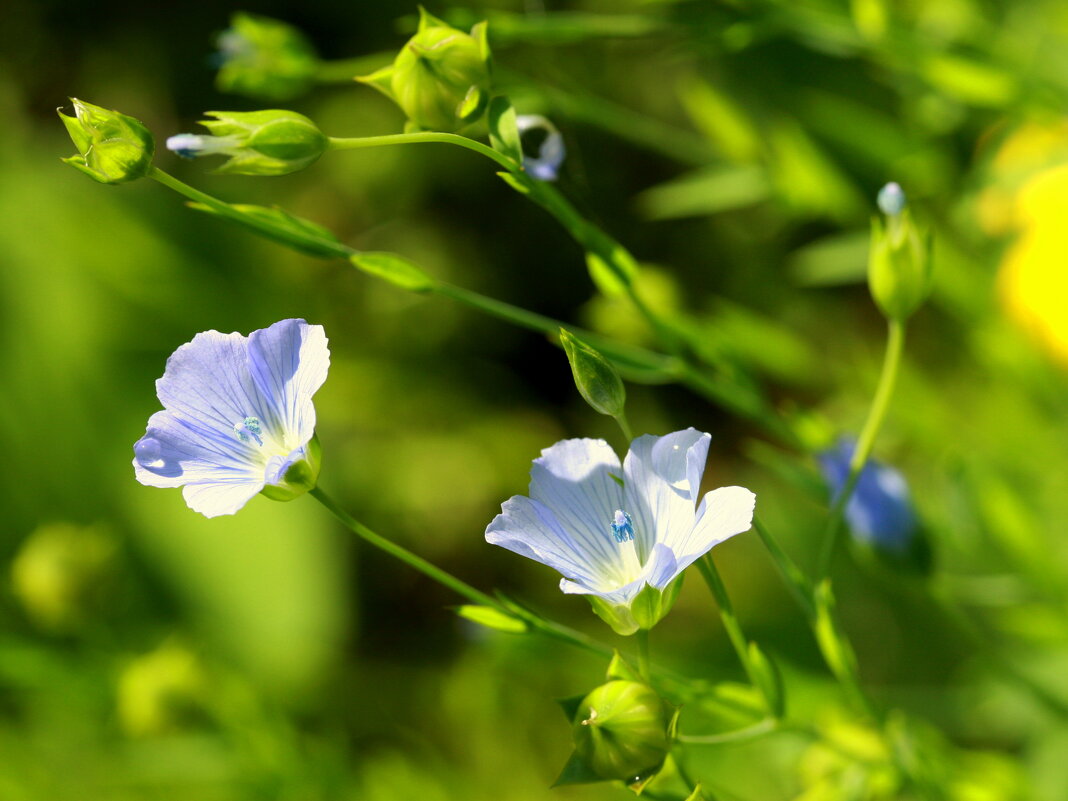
249, 429
622, 526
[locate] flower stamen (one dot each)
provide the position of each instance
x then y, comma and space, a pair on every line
249, 429
622, 526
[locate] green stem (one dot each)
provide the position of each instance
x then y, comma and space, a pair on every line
642, 637
793, 576
757, 730
726, 613
359, 142
624, 426
895, 346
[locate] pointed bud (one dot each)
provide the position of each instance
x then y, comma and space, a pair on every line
264, 58
112, 148
440, 78
595, 377
899, 264
270, 142
622, 730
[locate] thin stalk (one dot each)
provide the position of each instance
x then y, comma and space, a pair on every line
791, 573
757, 730
642, 637
423, 137
726, 613
895, 346
624, 426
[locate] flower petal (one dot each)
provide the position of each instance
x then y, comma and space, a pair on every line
575, 478
663, 478
207, 382
289, 362
723, 513
214, 499
175, 451
662, 567
530, 529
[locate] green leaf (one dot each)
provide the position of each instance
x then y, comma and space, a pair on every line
395, 269
281, 226
515, 182
768, 679
835, 648
492, 618
503, 133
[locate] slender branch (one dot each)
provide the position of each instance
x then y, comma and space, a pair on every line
423, 137
726, 613
895, 346
757, 730
642, 636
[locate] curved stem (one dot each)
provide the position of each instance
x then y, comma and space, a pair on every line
726, 613
895, 346
420, 137
758, 729
642, 636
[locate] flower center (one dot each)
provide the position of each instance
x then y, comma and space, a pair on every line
622, 526
249, 429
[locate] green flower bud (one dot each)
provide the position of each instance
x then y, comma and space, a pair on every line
621, 730
441, 78
112, 148
595, 377
59, 571
899, 264
264, 58
300, 477
270, 142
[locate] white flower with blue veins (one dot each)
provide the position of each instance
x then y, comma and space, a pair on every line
237, 417
622, 534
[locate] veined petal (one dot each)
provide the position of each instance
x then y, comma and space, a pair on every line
723, 513
288, 363
574, 478
662, 567
530, 529
207, 383
214, 499
663, 478
175, 451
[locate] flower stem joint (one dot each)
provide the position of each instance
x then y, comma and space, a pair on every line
112, 148
899, 264
269, 142
440, 78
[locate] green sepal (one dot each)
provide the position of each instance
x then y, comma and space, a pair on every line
480, 33
428, 20
395, 269
766, 675
696, 794
382, 80
473, 104
492, 618
570, 706
652, 781
295, 232
300, 478
620, 668
595, 377
899, 264
646, 607
576, 771
78, 134
617, 616
266, 142
503, 132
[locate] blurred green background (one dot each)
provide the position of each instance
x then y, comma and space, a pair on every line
735, 148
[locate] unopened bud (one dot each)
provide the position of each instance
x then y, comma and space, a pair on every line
440, 78
264, 58
621, 730
899, 264
595, 377
270, 142
112, 148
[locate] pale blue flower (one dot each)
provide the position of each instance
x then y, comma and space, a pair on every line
551, 152
614, 530
880, 510
891, 199
238, 417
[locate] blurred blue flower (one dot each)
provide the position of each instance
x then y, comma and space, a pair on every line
238, 417
880, 511
551, 152
614, 529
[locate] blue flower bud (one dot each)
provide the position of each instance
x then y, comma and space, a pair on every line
880, 511
112, 148
440, 78
551, 151
264, 58
270, 142
899, 263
